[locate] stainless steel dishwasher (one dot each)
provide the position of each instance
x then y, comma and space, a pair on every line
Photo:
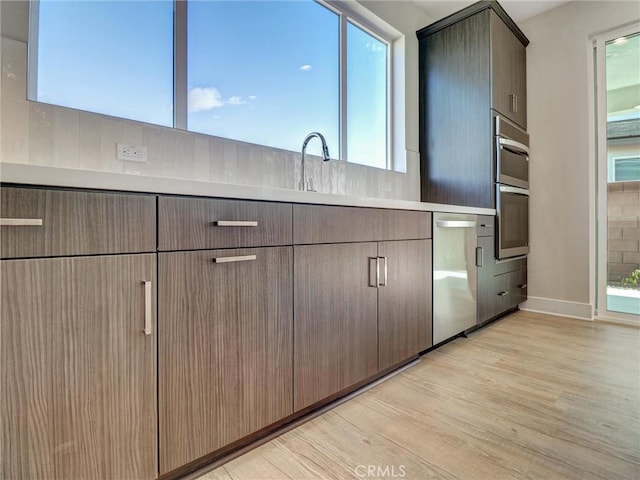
454, 274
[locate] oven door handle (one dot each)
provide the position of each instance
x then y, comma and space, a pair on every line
455, 224
520, 147
516, 190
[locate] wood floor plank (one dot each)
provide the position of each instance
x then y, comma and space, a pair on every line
531, 396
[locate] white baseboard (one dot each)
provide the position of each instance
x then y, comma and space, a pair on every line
562, 308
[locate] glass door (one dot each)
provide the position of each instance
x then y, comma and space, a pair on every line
617, 58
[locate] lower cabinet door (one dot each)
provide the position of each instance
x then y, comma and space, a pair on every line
225, 348
489, 303
78, 372
336, 324
404, 301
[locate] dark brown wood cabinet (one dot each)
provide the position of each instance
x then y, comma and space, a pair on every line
502, 285
296, 303
404, 301
471, 65
78, 345
336, 322
225, 348
488, 301
336, 224
186, 223
360, 308
508, 72
71, 222
78, 373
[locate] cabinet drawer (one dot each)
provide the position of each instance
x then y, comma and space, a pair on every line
43, 223
519, 285
486, 226
201, 223
333, 224
511, 289
506, 266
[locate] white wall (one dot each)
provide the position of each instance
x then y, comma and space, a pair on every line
40, 134
558, 121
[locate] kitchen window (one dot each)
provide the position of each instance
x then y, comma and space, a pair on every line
263, 72
114, 58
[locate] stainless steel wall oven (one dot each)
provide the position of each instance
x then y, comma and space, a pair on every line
512, 189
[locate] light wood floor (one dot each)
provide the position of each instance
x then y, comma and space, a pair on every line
530, 396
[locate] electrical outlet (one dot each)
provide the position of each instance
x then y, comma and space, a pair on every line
131, 153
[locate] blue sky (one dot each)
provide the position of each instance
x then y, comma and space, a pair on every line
264, 50
264, 72
108, 57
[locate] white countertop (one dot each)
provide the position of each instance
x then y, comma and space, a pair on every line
66, 177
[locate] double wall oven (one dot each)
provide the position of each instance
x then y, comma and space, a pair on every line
512, 189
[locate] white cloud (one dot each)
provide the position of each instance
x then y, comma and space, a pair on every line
236, 101
201, 99
305, 68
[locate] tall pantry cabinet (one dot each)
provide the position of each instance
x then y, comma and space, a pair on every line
472, 66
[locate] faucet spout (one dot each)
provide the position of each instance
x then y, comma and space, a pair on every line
307, 184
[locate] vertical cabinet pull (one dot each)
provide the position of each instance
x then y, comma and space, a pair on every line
374, 271
377, 278
514, 102
478, 256
148, 297
384, 273
20, 222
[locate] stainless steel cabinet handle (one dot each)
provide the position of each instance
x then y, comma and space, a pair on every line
523, 286
235, 223
455, 224
486, 225
516, 190
20, 222
521, 147
239, 258
478, 256
148, 314
376, 269
384, 274
502, 294
514, 103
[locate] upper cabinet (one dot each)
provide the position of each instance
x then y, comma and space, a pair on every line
472, 66
508, 72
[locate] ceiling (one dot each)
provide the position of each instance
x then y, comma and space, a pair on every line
518, 10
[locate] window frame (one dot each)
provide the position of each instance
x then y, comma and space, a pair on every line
347, 16
614, 161
348, 12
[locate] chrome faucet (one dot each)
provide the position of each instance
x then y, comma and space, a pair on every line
307, 185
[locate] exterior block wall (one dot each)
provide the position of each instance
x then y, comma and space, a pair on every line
623, 229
